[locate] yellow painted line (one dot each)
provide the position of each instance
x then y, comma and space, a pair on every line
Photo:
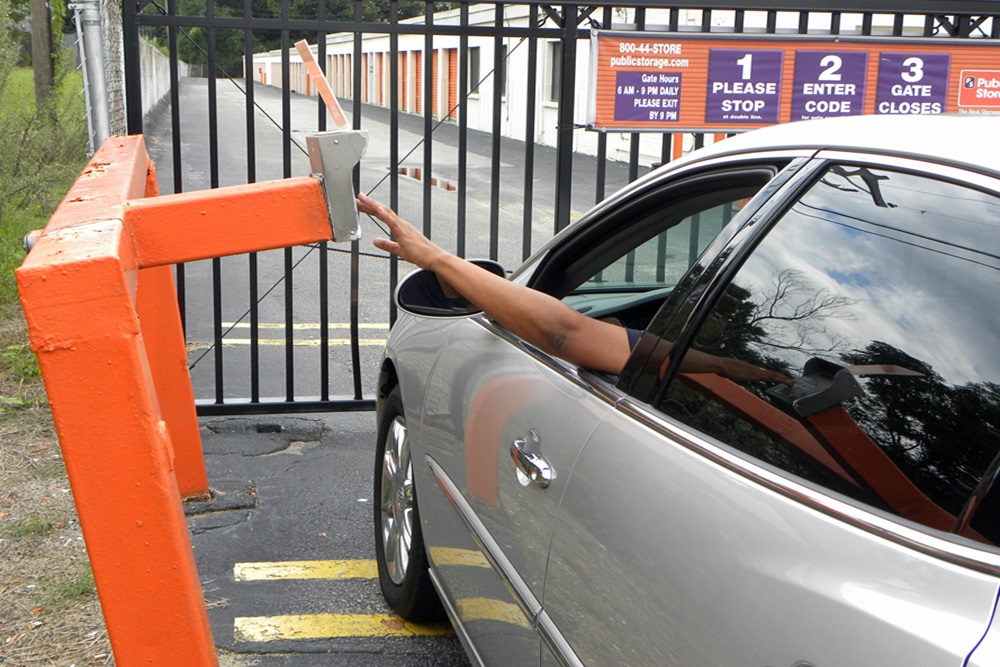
451, 556
309, 342
327, 626
306, 569
306, 326
488, 609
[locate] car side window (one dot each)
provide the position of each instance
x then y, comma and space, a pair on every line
625, 265
663, 259
877, 291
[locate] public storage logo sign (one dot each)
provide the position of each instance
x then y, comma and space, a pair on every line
980, 88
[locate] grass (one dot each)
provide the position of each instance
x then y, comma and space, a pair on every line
31, 526
76, 587
43, 152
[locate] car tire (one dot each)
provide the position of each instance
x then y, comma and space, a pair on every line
399, 546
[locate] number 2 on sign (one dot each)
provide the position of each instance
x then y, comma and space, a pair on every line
832, 64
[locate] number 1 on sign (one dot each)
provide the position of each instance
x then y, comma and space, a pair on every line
746, 63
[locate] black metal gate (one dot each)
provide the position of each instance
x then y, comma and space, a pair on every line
228, 128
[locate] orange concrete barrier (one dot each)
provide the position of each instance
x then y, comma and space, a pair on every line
102, 315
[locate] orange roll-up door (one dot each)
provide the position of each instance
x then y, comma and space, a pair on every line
404, 87
434, 84
452, 82
418, 76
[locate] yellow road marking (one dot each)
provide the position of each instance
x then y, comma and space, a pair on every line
309, 342
306, 569
488, 609
325, 626
451, 556
305, 326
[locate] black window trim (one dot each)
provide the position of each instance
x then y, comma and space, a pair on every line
549, 276
644, 364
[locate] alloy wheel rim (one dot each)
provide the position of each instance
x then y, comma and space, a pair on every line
397, 501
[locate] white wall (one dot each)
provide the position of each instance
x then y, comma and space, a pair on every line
155, 73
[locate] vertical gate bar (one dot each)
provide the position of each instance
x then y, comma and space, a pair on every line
666, 147
897, 25
964, 25
394, 107
600, 185
175, 106
564, 131
213, 170
463, 126
930, 26
866, 23
499, 83
529, 137
252, 178
772, 22
995, 28
738, 20
286, 146
356, 244
133, 65
324, 259
175, 149
669, 140
428, 110
633, 157
633, 152
666, 153
803, 22
835, 23
600, 180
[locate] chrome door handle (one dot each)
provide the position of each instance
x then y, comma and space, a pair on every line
531, 467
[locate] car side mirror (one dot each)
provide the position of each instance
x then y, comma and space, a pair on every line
420, 293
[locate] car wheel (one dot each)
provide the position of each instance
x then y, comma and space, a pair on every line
399, 545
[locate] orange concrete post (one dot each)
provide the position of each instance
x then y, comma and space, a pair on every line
104, 326
155, 303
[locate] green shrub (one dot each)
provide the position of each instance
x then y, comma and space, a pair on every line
42, 151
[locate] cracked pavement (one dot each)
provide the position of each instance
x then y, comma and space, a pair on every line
295, 489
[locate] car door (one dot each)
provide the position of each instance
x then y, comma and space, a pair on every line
503, 423
502, 428
831, 522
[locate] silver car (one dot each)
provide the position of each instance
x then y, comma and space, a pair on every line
564, 516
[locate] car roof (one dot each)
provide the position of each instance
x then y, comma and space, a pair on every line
971, 140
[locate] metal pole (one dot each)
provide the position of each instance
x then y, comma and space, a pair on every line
89, 13
86, 82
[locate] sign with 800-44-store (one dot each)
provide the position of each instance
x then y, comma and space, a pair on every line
685, 82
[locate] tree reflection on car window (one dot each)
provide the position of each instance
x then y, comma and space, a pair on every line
893, 277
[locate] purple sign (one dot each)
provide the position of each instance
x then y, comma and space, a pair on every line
829, 84
648, 96
743, 86
912, 83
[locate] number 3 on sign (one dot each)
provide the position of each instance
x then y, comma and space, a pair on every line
916, 70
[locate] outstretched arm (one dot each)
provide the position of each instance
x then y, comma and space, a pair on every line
540, 319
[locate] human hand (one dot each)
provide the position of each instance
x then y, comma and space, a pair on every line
407, 243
